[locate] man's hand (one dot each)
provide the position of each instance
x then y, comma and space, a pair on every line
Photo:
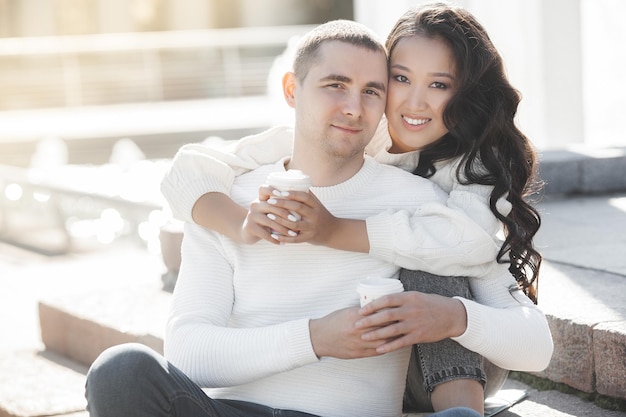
337, 336
411, 317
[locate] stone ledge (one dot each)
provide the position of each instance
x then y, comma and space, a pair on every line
583, 170
586, 313
573, 359
609, 349
80, 327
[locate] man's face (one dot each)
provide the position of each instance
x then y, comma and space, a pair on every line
341, 100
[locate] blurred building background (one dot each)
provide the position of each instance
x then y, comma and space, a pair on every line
91, 52
77, 69
563, 55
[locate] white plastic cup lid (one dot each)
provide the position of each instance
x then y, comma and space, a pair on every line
292, 179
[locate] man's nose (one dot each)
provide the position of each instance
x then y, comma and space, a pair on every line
353, 104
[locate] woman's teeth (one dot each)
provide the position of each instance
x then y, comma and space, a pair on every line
415, 122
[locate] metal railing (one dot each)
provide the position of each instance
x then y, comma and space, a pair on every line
138, 67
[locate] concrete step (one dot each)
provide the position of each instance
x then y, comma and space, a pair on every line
41, 384
81, 326
35, 382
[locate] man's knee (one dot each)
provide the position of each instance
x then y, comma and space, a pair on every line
117, 370
458, 412
122, 359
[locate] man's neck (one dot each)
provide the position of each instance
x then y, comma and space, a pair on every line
325, 172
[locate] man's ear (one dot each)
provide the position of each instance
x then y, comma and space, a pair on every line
289, 88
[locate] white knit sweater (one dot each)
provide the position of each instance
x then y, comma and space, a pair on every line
240, 313
503, 325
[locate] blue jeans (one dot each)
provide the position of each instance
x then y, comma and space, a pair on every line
435, 363
132, 380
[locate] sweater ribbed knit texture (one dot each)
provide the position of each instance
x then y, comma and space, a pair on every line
240, 312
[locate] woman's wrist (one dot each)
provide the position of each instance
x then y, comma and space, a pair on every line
218, 212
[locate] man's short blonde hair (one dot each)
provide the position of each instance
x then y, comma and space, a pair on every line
346, 31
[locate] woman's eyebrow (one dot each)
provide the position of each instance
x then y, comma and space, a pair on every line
434, 74
442, 74
401, 67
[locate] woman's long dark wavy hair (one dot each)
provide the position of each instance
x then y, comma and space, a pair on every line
482, 132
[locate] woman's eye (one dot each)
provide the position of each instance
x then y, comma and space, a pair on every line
401, 78
437, 84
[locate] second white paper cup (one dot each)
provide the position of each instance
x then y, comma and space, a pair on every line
372, 288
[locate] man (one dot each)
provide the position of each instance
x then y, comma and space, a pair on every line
270, 329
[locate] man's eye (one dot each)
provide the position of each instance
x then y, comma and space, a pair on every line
372, 92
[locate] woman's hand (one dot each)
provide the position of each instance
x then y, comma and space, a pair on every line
300, 217
287, 217
293, 216
260, 221
313, 223
411, 317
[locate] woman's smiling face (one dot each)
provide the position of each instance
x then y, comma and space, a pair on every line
421, 82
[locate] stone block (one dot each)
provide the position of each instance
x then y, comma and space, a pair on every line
604, 171
583, 170
609, 345
81, 326
573, 360
561, 171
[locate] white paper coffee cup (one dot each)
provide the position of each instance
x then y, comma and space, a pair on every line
372, 288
